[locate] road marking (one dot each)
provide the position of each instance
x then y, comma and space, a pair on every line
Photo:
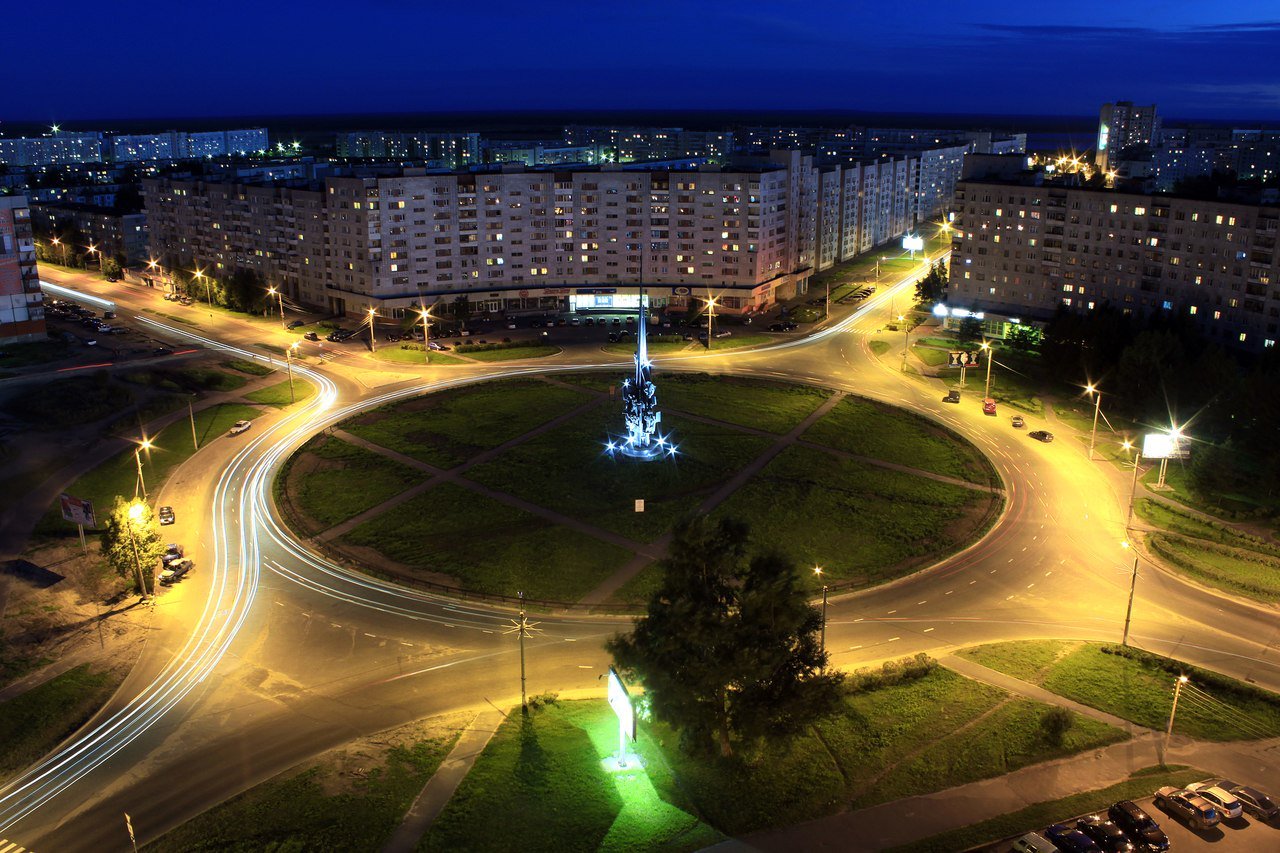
927, 630
367, 634
891, 639
918, 603
403, 643
485, 631
1007, 597
891, 612
585, 666
971, 583
334, 625
993, 571
859, 619
570, 639
1046, 574
948, 592
1033, 583
278, 604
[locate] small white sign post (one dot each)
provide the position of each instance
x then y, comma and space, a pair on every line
621, 703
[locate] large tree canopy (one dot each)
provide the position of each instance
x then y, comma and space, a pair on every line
729, 646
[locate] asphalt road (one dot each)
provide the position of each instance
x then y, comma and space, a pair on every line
269, 655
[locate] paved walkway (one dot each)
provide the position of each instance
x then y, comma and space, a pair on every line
436, 794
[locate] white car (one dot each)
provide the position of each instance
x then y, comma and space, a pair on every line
1227, 802
239, 427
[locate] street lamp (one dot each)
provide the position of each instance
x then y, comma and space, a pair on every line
57, 242
145, 444
986, 349
1133, 584
711, 311
817, 570
93, 250
1127, 445
906, 340
373, 345
426, 335
1092, 390
288, 362
136, 511
271, 291
1177, 691
208, 288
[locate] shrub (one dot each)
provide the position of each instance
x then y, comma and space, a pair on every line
890, 673
1055, 723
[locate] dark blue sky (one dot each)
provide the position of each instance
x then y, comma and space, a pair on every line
84, 60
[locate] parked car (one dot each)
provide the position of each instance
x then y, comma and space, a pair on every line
311, 336
783, 327
1139, 826
239, 427
165, 514
590, 321
953, 396
172, 551
1070, 840
1227, 804
1254, 801
1018, 422
613, 337
1105, 834
1034, 842
1190, 808
162, 351
437, 346
108, 315
1041, 435
293, 324
176, 571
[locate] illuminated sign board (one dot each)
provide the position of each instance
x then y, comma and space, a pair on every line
1158, 445
913, 243
620, 701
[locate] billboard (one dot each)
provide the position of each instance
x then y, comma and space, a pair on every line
964, 358
77, 511
913, 243
620, 701
1162, 445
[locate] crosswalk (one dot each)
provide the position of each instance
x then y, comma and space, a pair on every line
7, 846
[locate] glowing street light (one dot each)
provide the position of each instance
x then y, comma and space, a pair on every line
1133, 584
137, 511
279, 295
1093, 391
817, 570
985, 346
373, 345
145, 444
208, 287
288, 361
426, 334
711, 312
93, 250
63, 246
1177, 691
906, 340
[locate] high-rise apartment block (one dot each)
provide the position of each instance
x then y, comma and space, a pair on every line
56, 149
64, 147
1121, 127
447, 150
517, 239
1025, 245
21, 303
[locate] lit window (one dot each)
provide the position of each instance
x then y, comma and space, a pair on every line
1115, 208
1139, 211
1243, 336
1192, 310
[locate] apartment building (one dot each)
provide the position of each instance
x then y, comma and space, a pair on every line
1025, 245
449, 150
122, 236
1123, 126
59, 148
21, 305
182, 145
520, 239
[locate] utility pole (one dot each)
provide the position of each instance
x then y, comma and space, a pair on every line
522, 627
426, 336
986, 349
191, 413
1177, 691
711, 310
1097, 407
1133, 490
288, 362
1128, 613
817, 570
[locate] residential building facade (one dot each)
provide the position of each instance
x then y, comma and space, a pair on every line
1122, 126
21, 302
122, 236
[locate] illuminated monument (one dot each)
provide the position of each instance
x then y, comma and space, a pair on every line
640, 405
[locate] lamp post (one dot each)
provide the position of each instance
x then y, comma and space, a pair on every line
93, 250
906, 340
1092, 390
1133, 487
1177, 691
986, 348
1133, 585
817, 570
288, 362
279, 296
426, 335
373, 344
711, 312
145, 444
208, 288
135, 515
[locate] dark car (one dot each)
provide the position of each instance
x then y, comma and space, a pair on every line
1105, 834
311, 336
1070, 840
613, 337
165, 514
1041, 435
1138, 825
1254, 801
952, 397
162, 351
293, 324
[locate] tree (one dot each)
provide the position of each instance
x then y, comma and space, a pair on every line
1055, 723
1023, 338
111, 268
729, 646
970, 330
131, 541
244, 290
930, 288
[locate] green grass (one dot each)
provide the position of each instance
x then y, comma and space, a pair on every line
36, 352
879, 348
489, 546
567, 470
1139, 688
1237, 570
1011, 389
770, 406
279, 396
70, 402
1038, 815
347, 481
931, 357
806, 314
1218, 503
295, 812
402, 355
253, 368
118, 475
739, 341
34, 722
1175, 521
655, 349
449, 427
868, 428
507, 353
1026, 659
858, 521
543, 776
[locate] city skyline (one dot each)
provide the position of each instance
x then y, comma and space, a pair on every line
1195, 61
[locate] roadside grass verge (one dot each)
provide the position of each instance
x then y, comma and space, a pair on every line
413, 354
449, 427
1242, 571
739, 341
655, 348
33, 723
279, 396
859, 522
879, 347
1035, 817
568, 470
253, 368
774, 407
1012, 389
868, 428
495, 352
543, 773
488, 546
1138, 686
341, 481
36, 352
931, 357
1228, 505
70, 402
1175, 521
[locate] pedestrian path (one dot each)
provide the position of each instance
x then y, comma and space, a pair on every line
440, 788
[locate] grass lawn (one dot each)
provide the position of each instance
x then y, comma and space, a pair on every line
1035, 817
508, 353
1178, 479
1009, 388
655, 349
187, 379
738, 341
36, 352
857, 521
253, 368
119, 474
567, 470
1140, 689
770, 406
401, 355
36, 721
346, 481
931, 357
316, 809
70, 402
279, 396
868, 428
449, 427
488, 546
1245, 572
543, 774
1175, 521
806, 314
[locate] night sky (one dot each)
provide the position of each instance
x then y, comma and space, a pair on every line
1193, 58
